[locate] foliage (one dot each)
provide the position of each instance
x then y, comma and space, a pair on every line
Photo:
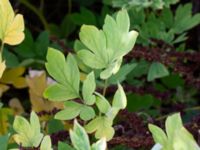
80, 139
139, 4
68, 76
176, 137
96, 76
34, 136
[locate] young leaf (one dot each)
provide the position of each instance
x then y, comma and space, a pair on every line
172, 124
105, 48
99, 145
158, 135
184, 141
46, 143
22, 127
72, 110
87, 113
65, 73
89, 87
102, 103
102, 126
11, 26
79, 137
157, 70
119, 100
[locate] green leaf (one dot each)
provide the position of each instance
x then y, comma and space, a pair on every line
119, 40
84, 17
184, 141
111, 69
22, 127
26, 48
119, 100
11, 59
99, 145
34, 122
72, 110
59, 92
64, 146
41, 44
184, 19
102, 103
89, 87
67, 26
66, 73
87, 113
137, 102
79, 137
157, 70
172, 124
105, 48
95, 41
46, 143
54, 126
121, 74
158, 135
102, 126
4, 141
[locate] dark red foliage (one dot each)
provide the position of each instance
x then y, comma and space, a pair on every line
131, 131
59, 136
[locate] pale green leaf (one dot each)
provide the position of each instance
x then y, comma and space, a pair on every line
90, 59
112, 69
59, 92
22, 127
66, 73
106, 48
89, 87
87, 113
46, 143
102, 103
99, 145
158, 135
119, 100
102, 127
172, 124
95, 40
79, 137
183, 140
72, 110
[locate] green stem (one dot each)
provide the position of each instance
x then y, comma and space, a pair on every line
38, 12
105, 87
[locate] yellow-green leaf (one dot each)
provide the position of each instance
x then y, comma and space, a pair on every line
11, 26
